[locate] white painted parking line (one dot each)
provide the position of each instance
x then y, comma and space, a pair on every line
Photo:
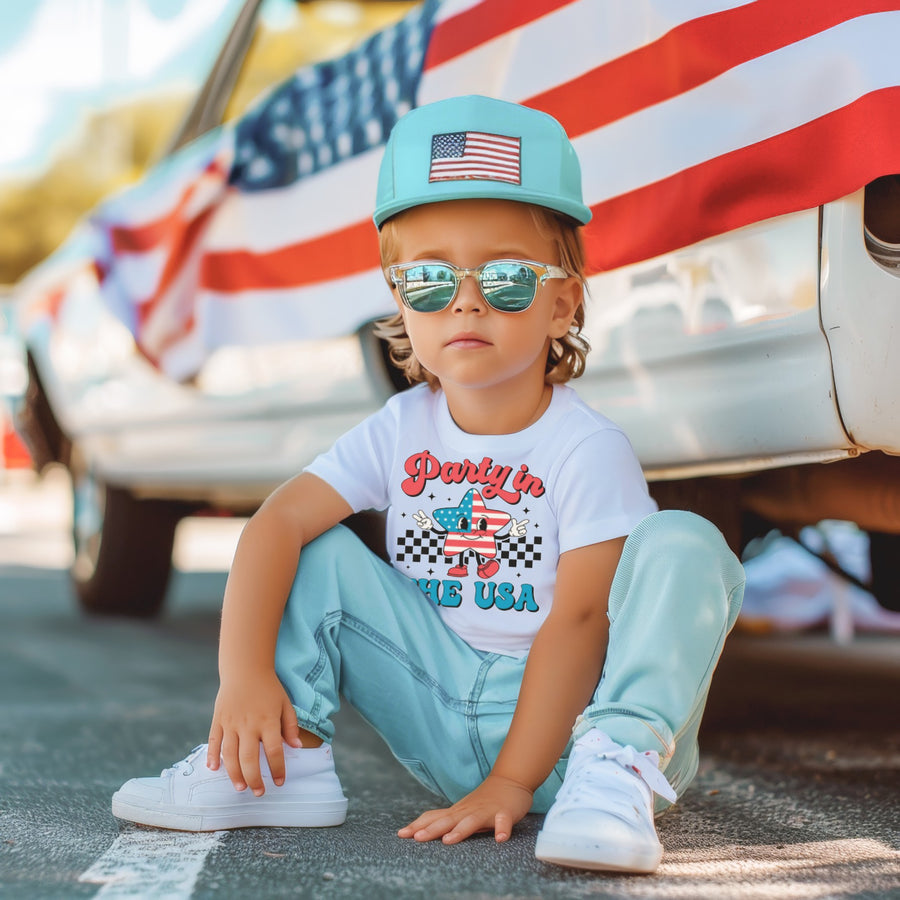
144, 864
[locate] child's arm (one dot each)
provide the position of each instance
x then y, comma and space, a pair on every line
561, 674
252, 706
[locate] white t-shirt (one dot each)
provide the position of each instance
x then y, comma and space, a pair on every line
479, 521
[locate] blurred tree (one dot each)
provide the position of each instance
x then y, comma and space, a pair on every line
115, 145
111, 150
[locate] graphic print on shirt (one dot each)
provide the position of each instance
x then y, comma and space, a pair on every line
471, 532
474, 538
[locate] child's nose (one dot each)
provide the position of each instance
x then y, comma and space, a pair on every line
469, 297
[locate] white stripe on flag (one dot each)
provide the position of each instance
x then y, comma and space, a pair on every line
592, 33
450, 8
328, 309
157, 194
741, 107
266, 220
256, 317
137, 275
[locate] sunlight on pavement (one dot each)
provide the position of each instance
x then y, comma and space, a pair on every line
206, 544
36, 527
36, 519
776, 871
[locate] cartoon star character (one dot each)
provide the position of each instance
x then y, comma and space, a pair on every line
470, 529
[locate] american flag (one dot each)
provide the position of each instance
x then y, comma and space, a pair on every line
473, 154
690, 117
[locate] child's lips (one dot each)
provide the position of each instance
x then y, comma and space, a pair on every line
467, 340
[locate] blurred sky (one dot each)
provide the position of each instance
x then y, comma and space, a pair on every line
58, 57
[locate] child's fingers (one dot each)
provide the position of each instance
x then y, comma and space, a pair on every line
503, 825
436, 828
248, 756
290, 730
274, 750
465, 827
232, 762
214, 748
421, 822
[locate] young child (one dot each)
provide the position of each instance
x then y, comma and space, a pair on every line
534, 595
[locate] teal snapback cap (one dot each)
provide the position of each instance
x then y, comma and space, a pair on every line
477, 147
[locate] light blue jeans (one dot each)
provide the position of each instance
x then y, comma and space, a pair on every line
356, 627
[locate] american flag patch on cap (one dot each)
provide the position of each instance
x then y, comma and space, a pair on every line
465, 155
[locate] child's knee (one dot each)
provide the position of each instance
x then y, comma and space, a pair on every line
682, 554
681, 538
321, 562
680, 525
334, 546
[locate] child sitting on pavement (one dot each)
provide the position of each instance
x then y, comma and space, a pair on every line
543, 638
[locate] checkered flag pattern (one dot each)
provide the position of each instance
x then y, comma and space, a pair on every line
417, 547
522, 553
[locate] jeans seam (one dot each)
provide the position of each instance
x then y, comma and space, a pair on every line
423, 677
471, 713
312, 678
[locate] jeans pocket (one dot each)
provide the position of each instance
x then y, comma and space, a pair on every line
420, 772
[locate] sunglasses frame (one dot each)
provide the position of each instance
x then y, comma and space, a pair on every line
543, 271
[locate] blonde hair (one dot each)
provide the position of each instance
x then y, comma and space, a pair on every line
566, 358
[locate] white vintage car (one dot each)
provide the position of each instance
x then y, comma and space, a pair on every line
755, 372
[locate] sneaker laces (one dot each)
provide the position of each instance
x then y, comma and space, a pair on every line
184, 766
644, 766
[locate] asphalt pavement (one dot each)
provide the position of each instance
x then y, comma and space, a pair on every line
798, 794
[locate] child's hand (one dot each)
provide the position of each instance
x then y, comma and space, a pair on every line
495, 805
250, 711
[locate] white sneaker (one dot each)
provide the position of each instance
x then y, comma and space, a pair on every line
602, 817
191, 797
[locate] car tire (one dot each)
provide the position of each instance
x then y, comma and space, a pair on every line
123, 549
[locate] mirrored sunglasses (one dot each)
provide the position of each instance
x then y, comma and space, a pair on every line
508, 285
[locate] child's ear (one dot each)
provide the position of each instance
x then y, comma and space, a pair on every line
569, 296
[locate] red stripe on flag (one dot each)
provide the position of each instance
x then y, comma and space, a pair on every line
150, 235
822, 160
49, 303
483, 23
690, 55
189, 234
338, 254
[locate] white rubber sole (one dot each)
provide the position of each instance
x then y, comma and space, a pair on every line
289, 814
584, 853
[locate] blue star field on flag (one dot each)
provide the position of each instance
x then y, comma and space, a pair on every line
334, 110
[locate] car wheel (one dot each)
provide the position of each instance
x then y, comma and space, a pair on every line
123, 548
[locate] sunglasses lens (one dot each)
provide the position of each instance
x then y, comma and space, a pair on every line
508, 286
430, 287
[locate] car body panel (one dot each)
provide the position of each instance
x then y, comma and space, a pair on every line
860, 308
713, 359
